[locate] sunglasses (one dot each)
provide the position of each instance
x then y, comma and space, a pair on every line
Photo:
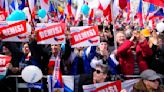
98, 71
155, 80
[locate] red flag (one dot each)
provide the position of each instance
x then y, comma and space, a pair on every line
107, 12
122, 4
153, 23
46, 1
139, 14
156, 2
90, 16
100, 6
69, 10
128, 10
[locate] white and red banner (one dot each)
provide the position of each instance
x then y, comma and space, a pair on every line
116, 86
3, 16
50, 33
128, 84
104, 87
84, 36
112, 87
14, 32
4, 61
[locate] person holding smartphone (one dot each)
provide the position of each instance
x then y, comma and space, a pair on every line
125, 52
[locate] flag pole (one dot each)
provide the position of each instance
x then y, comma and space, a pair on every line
6, 7
113, 22
32, 21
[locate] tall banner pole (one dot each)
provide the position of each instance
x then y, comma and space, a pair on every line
113, 22
32, 20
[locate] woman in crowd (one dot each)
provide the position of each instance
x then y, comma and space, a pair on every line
55, 52
71, 63
20, 59
155, 43
139, 45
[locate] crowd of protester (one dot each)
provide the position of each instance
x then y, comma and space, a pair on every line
137, 50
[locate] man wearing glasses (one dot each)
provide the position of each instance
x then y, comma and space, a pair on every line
99, 75
150, 82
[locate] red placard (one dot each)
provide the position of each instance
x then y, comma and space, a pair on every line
4, 60
50, 32
112, 87
13, 29
84, 35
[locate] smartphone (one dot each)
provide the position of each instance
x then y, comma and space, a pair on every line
135, 38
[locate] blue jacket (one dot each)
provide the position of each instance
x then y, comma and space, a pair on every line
88, 55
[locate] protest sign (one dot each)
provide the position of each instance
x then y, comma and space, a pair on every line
4, 61
14, 32
111, 86
84, 36
50, 33
128, 84
103, 87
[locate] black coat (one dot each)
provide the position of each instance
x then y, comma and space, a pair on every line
157, 59
84, 79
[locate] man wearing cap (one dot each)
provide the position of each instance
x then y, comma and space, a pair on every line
150, 82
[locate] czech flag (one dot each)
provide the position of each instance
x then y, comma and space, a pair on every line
139, 14
69, 8
21, 5
158, 14
149, 14
150, 11
57, 76
56, 82
123, 3
90, 16
68, 84
52, 9
128, 10
17, 6
14, 5
45, 4
156, 2
32, 7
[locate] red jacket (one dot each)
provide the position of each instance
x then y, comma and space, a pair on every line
126, 57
